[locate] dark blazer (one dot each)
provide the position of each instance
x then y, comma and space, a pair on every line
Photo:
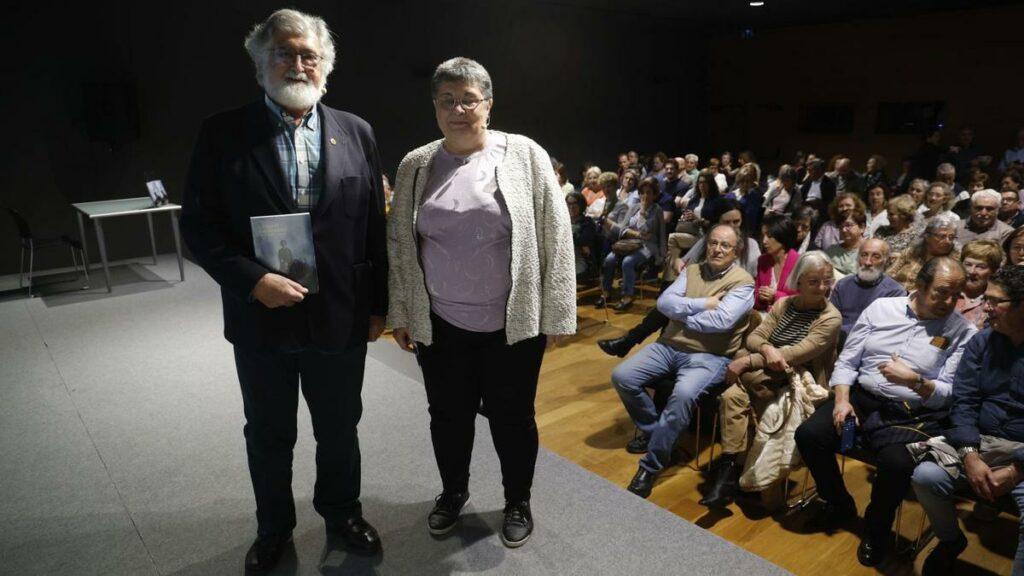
235, 174
828, 193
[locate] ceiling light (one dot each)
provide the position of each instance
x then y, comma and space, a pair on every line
757, 3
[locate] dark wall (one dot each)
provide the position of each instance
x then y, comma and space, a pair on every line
102, 96
969, 60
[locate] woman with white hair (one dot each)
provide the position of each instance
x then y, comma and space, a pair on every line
938, 201
799, 332
939, 239
482, 279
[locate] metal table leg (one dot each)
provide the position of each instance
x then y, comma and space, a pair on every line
81, 236
177, 243
152, 237
103, 251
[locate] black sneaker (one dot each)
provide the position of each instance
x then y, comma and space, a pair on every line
601, 302
943, 557
446, 510
518, 524
638, 445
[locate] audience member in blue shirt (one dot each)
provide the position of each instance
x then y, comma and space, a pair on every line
987, 417
893, 377
854, 293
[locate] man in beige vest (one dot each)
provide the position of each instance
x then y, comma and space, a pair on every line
708, 308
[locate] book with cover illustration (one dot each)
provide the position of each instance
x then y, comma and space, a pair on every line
284, 244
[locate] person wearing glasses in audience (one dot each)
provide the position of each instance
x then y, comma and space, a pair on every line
893, 380
482, 281
984, 447
939, 239
981, 259
984, 222
844, 254
1010, 210
1013, 246
289, 153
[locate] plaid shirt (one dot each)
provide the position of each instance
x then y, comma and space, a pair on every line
298, 151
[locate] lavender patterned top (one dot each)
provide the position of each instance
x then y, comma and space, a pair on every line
465, 238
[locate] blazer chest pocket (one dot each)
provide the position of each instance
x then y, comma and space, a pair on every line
355, 193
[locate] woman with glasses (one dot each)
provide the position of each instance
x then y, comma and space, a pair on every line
939, 239
938, 201
799, 332
1014, 247
981, 259
844, 254
482, 279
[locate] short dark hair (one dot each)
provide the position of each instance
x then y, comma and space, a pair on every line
648, 182
724, 204
926, 275
1011, 280
782, 229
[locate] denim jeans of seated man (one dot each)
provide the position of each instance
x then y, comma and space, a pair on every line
693, 372
935, 489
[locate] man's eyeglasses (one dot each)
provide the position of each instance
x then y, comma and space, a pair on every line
993, 302
449, 103
286, 56
723, 245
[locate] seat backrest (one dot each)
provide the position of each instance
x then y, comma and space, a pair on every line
24, 232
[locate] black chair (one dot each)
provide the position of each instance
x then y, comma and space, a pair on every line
30, 242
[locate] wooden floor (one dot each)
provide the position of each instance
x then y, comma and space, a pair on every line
581, 418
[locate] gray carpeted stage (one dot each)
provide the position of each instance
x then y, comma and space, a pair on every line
122, 453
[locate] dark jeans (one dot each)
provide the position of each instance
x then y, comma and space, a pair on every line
652, 322
818, 443
331, 384
463, 368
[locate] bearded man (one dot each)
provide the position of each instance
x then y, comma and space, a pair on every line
288, 154
852, 294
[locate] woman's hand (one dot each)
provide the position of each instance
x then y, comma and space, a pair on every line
736, 368
766, 294
773, 358
404, 340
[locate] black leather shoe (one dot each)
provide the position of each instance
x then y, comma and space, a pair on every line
638, 445
872, 551
600, 302
616, 346
829, 517
265, 552
940, 561
356, 533
446, 510
726, 485
518, 524
642, 483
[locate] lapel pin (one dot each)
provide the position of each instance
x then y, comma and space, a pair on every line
333, 141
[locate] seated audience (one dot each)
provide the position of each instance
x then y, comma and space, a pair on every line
778, 239
748, 192
584, 235
628, 187
983, 223
917, 190
655, 320
700, 201
902, 182
818, 190
590, 186
644, 226
1012, 180
563, 178
838, 211
939, 239
878, 199
844, 254
960, 205
657, 170
799, 332
709, 306
1010, 212
937, 201
847, 179
893, 378
852, 294
607, 184
874, 173
1013, 246
1013, 156
690, 168
902, 229
805, 218
981, 259
672, 187
984, 448
783, 196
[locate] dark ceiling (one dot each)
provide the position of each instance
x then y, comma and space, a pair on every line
724, 16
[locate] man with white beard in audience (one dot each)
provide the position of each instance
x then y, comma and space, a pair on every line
852, 294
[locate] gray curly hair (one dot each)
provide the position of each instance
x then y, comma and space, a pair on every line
462, 70
260, 39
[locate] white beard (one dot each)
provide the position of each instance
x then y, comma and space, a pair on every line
869, 275
294, 95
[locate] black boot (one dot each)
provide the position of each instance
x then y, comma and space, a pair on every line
726, 485
617, 346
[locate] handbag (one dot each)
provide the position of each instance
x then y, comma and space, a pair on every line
627, 246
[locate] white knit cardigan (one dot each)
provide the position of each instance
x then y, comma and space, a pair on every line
543, 269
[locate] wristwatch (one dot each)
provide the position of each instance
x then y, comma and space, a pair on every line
963, 452
917, 385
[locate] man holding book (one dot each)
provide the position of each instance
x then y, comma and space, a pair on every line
283, 155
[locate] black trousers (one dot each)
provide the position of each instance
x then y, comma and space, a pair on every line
331, 384
818, 443
463, 368
653, 322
